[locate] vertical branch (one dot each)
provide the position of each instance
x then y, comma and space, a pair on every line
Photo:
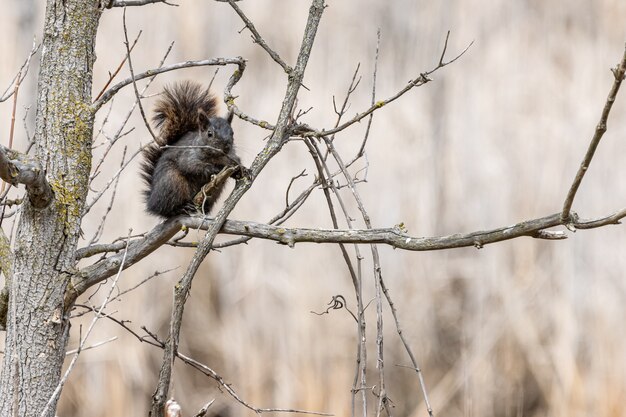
360, 374
371, 116
618, 73
273, 146
382, 396
132, 76
416, 367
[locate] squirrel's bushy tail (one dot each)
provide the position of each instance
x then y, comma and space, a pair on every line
176, 113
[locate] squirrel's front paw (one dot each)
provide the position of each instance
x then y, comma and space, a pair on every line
241, 172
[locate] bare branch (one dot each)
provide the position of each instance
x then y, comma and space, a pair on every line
212, 374
205, 408
423, 78
256, 36
132, 76
118, 134
618, 73
21, 74
114, 178
152, 339
119, 68
611, 219
378, 279
100, 228
17, 168
95, 345
274, 144
395, 237
355, 274
371, 117
187, 64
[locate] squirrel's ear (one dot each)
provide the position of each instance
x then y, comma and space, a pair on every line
203, 120
229, 118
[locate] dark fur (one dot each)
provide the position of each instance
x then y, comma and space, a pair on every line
202, 147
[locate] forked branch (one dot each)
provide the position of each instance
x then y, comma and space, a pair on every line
393, 236
423, 78
256, 36
272, 147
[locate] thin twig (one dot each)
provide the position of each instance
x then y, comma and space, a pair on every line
382, 395
274, 144
95, 345
114, 178
119, 67
205, 408
256, 36
132, 76
618, 74
423, 78
415, 367
360, 374
152, 339
21, 73
119, 133
371, 117
108, 95
293, 179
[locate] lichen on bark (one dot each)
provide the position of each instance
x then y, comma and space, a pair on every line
37, 328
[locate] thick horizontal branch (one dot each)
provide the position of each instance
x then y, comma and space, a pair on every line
17, 168
393, 236
187, 64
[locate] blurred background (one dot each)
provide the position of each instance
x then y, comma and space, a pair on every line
519, 328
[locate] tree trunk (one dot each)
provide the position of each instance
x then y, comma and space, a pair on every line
37, 325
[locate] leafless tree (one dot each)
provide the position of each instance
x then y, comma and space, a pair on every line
44, 282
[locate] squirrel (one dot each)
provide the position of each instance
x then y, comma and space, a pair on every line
193, 145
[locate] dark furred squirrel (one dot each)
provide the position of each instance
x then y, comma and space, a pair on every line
193, 145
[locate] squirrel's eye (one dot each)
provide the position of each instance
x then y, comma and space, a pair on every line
209, 133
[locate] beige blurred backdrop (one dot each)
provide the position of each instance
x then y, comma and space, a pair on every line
519, 328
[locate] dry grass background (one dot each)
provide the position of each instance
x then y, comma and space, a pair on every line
520, 328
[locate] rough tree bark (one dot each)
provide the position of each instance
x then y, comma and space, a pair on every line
41, 272
37, 326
